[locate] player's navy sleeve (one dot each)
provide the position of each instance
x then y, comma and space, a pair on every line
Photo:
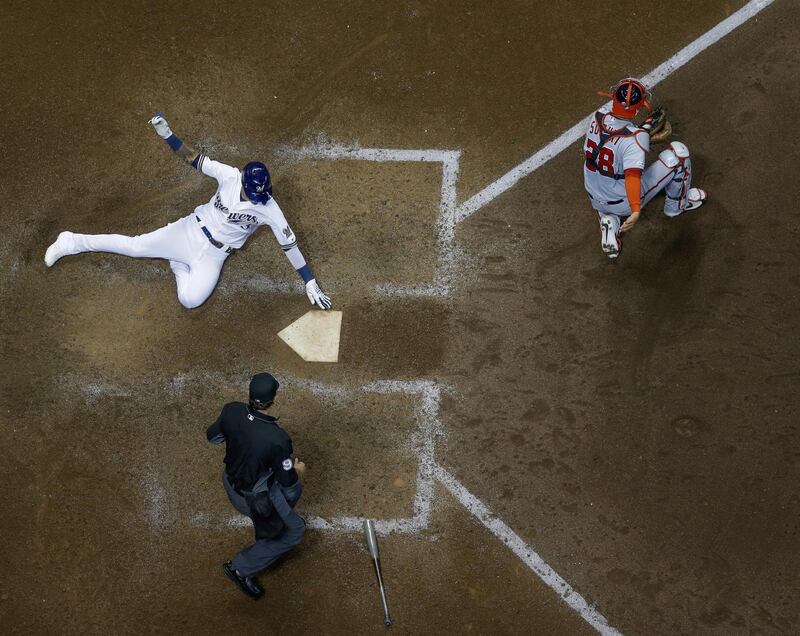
215, 433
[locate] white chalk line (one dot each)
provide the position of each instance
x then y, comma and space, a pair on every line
565, 140
524, 552
354, 152
423, 443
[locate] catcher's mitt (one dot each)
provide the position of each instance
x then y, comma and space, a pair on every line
658, 126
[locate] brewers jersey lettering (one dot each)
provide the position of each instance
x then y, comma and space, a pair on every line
231, 220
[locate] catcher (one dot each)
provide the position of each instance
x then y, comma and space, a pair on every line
614, 172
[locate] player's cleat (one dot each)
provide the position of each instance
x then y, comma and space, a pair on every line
696, 198
248, 584
608, 239
62, 247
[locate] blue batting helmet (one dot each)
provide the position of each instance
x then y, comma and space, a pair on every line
256, 182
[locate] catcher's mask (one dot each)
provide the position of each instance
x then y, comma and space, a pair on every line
256, 182
628, 96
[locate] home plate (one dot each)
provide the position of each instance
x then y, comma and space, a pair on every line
315, 336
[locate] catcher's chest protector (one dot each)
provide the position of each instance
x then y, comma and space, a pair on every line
605, 168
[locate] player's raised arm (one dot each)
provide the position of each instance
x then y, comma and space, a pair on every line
194, 158
183, 150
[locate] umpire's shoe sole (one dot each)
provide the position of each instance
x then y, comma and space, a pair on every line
248, 584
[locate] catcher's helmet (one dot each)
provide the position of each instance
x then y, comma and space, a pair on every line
629, 95
256, 182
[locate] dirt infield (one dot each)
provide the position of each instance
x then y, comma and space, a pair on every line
633, 425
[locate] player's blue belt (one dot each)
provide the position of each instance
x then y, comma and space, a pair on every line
212, 240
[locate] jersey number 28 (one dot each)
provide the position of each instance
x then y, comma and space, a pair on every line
605, 160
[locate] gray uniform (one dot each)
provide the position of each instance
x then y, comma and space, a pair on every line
265, 551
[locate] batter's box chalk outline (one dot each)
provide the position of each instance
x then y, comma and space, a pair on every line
447, 253
427, 396
423, 438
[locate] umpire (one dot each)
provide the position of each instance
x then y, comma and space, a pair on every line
261, 481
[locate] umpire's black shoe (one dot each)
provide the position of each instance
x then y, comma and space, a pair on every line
248, 584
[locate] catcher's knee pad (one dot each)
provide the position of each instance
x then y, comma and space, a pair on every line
674, 155
680, 150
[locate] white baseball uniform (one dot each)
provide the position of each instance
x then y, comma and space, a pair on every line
622, 146
198, 244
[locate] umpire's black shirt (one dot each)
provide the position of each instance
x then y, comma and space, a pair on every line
254, 446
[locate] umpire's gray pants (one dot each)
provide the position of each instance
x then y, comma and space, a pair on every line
265, 552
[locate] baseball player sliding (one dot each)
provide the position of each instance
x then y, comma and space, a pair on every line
614, 172
198, 244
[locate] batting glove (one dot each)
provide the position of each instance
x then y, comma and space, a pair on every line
160, 124
316, 295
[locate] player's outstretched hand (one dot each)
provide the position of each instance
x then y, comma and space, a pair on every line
632, 219
160, 124
316, 295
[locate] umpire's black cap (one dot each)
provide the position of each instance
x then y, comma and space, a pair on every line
263, 388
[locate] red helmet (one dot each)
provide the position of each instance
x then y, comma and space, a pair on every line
629, 95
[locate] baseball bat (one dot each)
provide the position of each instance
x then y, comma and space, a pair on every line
372, 544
